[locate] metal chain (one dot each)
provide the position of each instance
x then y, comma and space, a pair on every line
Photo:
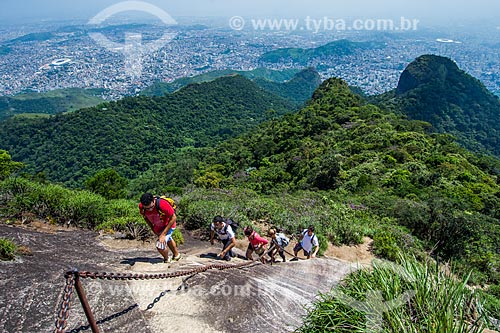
131, 276
63, 314
183, 286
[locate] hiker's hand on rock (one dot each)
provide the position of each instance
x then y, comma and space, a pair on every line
162, 238
221, 255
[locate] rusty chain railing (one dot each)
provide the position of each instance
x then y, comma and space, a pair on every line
63, 314
73, 282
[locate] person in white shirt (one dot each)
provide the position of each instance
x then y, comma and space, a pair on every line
226, 236
308, 242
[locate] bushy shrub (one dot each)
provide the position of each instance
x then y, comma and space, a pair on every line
389, 241
107, 183
65, 206
385, 244
178, 237
7, 249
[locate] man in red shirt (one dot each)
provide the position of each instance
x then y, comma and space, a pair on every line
160, 217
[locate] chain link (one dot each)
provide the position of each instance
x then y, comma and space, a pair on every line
183, 286
63, 314
131, 276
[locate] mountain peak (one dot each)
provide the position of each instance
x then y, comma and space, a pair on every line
426, 68
336, 92
434, 89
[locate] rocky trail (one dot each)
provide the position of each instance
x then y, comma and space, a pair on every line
257, 298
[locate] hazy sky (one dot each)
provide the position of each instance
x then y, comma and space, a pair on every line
437, 10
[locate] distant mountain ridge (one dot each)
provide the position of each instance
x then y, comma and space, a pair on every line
303, 57
162, 88
294, 85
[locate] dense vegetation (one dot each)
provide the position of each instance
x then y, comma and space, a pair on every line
350, 168
291, 84
7, 165
132, 134
447, 197
297, 90
435, 90
303, 57
52, 102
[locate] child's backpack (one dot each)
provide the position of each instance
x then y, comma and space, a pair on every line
284, 240
170, 201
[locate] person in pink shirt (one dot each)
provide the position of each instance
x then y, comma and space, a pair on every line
256, 243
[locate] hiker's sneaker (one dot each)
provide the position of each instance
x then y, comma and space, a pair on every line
227, 258
177, 257
294, 259
168, 260
232, 254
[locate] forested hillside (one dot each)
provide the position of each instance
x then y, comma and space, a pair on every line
162, 88
435, 90
297, 90
291, 84
304, 57
382, 163
350, 168
132, 134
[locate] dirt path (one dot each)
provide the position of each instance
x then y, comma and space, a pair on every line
258, 299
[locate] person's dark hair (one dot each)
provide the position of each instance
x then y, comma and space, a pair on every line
218, 218
311, 227
147, 199
248, 231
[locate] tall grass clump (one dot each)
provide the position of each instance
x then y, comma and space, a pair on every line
409, 297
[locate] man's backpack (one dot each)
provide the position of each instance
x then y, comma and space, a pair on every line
234, 225
170, 201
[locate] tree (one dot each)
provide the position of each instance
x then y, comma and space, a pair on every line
7, 165
107, 183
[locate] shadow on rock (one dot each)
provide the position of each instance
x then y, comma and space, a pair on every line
102, 321
133, 261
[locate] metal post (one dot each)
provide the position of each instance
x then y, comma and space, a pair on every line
85, 303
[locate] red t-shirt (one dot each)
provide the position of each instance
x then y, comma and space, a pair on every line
159, 222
